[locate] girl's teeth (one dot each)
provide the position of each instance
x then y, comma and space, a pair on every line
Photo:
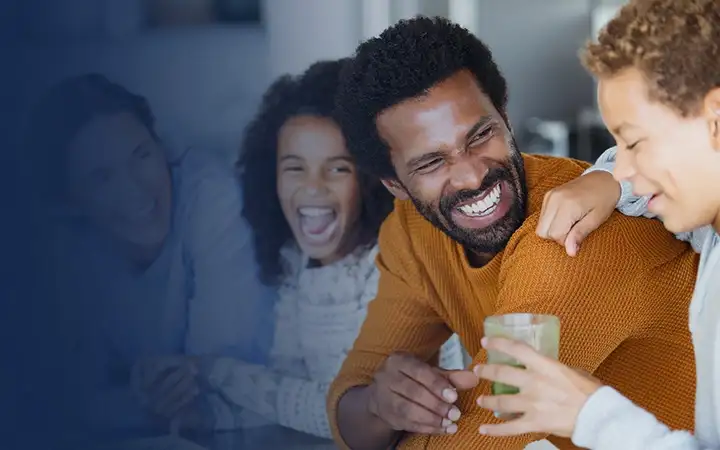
314, 211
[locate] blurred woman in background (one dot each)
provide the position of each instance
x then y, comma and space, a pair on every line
153, 257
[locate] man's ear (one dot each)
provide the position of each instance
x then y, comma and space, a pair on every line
396, 188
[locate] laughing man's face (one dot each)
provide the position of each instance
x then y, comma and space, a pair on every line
456, 159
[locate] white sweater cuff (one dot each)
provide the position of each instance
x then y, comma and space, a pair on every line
594, 416
609, 421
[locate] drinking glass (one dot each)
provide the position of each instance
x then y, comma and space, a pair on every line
540, 331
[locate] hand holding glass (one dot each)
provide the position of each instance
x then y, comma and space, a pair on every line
540, 331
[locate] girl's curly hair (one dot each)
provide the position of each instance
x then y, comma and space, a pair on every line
311, 93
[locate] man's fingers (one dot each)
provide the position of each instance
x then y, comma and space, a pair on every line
414, 398
401, 412
431, 379
462, 380
414, 418
428, 430
420, 397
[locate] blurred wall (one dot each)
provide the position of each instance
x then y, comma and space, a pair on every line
205, 81
535, 42
301, 32
536, 45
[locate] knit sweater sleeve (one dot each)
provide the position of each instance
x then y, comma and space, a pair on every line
582, 345
399, 319
291, 401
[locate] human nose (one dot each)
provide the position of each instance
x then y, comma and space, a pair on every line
315, 184
465, 176
131, 189
624, 166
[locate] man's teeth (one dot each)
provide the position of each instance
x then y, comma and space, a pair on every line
313, 211
484, 206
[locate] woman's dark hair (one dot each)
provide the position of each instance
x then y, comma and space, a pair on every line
63, 111
312, 93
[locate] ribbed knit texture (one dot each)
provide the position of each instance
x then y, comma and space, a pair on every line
623, 305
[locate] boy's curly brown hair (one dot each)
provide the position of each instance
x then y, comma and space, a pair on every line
674, 43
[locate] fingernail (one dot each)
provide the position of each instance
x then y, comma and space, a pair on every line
483, 341
476, 370
479, 401
449, 394
454, 414
452, 429
482, 430
446, 423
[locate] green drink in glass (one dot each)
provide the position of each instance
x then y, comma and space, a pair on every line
540, 331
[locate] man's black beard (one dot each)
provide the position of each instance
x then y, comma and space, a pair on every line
493, 239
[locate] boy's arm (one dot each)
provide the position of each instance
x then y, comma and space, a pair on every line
633, 205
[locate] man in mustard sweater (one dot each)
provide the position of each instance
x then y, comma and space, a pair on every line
423, 107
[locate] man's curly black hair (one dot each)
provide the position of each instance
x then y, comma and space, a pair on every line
311, 93
404, 62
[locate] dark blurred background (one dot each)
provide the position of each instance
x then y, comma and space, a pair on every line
203, 64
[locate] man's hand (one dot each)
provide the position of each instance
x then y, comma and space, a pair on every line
574, 210
410, 395
166, 385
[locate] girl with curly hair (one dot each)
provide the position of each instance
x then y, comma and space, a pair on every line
315, 219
